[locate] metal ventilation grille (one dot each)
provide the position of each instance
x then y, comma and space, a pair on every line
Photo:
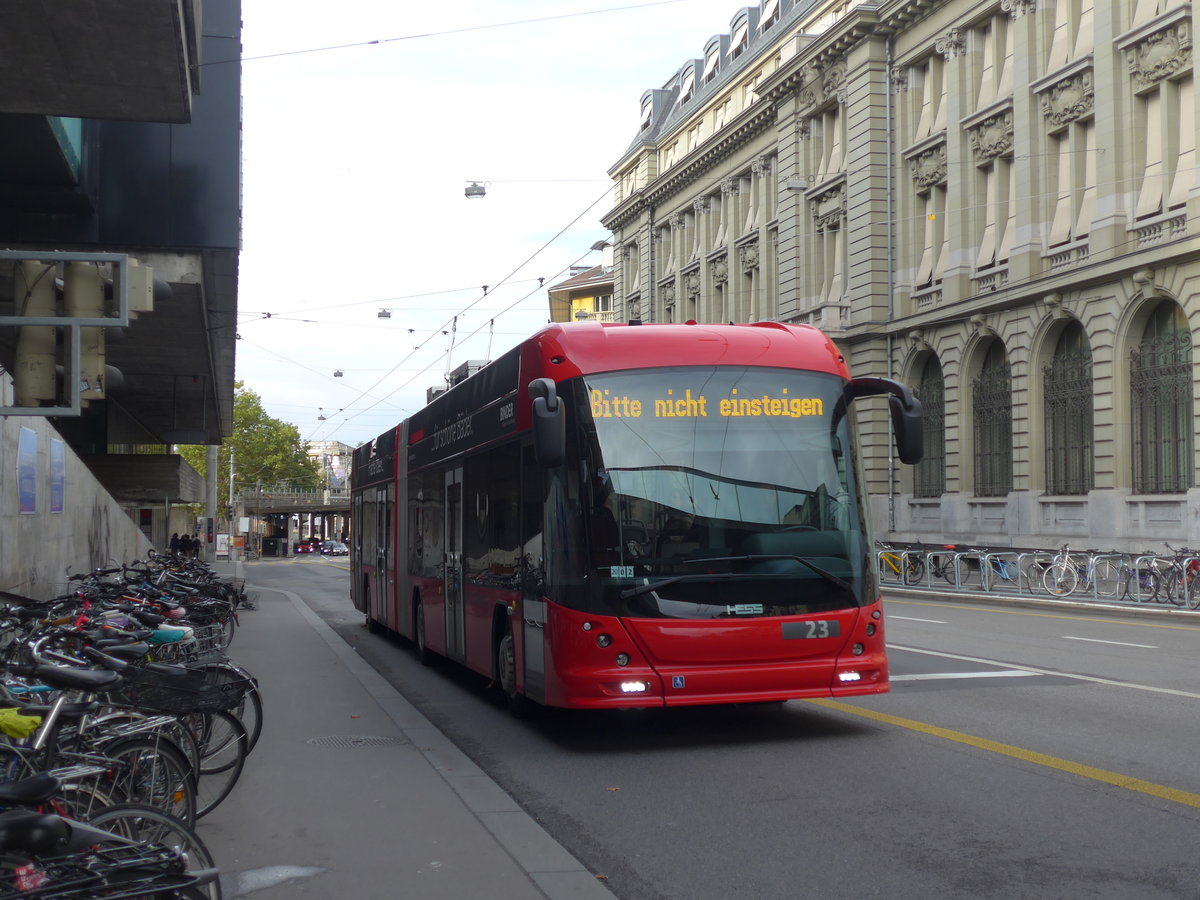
355, 740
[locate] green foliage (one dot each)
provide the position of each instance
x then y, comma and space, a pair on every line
265, 449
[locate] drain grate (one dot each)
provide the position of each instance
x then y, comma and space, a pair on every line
355, 740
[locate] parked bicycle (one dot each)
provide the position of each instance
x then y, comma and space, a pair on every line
1092, 572
903, 565
1180, 575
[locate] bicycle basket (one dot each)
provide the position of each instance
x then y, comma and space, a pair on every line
180, 694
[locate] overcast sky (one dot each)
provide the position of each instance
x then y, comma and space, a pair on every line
355, 161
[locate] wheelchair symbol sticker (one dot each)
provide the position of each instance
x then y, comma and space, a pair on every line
677, 681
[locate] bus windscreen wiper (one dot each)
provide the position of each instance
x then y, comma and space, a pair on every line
630, 593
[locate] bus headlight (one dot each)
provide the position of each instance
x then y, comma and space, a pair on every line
603, 640
622, 659
847, 677
857, 649
634, 687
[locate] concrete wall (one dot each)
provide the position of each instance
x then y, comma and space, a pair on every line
39, 548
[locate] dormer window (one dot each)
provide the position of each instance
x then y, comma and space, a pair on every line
741, 40
687, 89
647, 113
770, 15
712, 64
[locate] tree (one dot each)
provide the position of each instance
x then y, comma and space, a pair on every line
265, 449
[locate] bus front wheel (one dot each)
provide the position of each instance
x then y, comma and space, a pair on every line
506, 676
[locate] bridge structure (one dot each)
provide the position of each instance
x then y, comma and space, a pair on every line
281, 516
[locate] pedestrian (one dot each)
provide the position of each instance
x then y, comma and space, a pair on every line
195, 545
173, 547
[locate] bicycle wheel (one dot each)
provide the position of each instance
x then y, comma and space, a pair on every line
138, 822
250, 709
1106, 578
914, 569
1173, 590
1141, 585
1032, 573
151, 772
1193, 590
223, 749
1060, 579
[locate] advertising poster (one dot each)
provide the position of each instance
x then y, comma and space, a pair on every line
58, 474
27, 470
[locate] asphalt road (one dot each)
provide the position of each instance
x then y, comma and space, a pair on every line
1021, 753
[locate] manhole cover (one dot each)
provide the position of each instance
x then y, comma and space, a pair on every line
355, 740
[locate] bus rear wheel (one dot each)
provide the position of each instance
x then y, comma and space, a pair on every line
506, 676
424, 654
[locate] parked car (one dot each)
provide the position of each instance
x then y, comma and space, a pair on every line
334, 548
309, 545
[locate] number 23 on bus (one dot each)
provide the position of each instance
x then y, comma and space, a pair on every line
635, 515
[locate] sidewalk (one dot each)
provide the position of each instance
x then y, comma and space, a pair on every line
351, 792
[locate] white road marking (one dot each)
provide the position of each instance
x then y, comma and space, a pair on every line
911, 619
1067, 637
936, 676
1111, 681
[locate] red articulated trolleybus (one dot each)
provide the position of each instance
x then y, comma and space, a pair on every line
635, 515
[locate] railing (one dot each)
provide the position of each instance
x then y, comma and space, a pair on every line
1126, 579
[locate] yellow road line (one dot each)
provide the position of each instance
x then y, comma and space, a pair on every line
1077, 617
1040, 759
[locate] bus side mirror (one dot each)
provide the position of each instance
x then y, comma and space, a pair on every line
549, 424
906, 413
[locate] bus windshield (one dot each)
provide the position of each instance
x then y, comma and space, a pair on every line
722, 491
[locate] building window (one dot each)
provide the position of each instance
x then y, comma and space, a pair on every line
1165, 121
994, 61
687, 89
1074, 194
712, 63
929, 91
769, 15
1161, 386
1067, 401
741, 39
991, 395
929, 476
1072, 38
997, 216
934, 245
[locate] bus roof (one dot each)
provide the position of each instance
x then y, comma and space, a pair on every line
578, 348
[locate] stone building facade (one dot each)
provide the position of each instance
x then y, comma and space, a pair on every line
995, 202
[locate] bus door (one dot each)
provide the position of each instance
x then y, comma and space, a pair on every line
453, 577
379, 605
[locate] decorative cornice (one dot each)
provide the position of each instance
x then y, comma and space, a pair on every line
1071, 99
929, 166
992, 138
825, 84
749, 255
1018, 8
1159, 50
951, 44
829, 209
719, 267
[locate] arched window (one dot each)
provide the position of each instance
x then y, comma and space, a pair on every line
1067, 403
1160, 379
929, 476
991, 395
